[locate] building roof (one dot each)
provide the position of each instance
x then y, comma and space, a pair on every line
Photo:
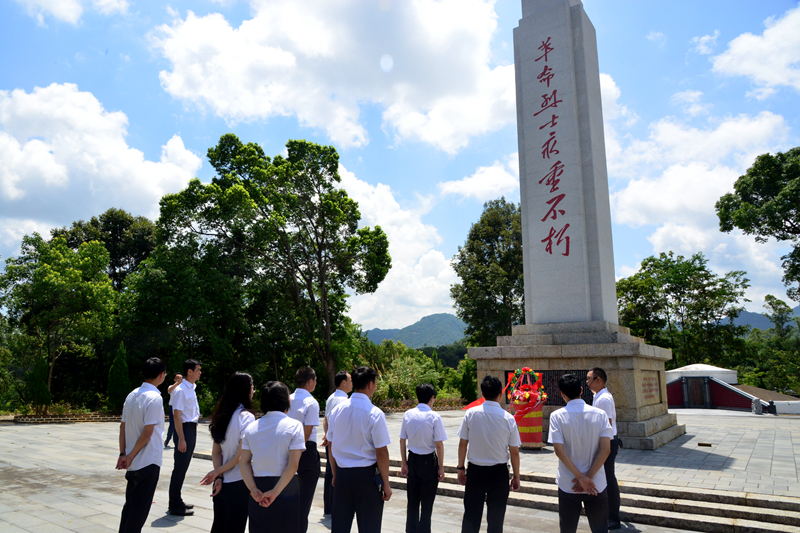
766, 395
700, 370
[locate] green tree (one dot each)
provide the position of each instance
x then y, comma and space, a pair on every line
766, 203
119, 383
289, 215
129, 240
681, 304
469, 379
37, 389
490, 297
62, 298
781, 316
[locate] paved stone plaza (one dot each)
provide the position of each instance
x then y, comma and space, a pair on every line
60, 477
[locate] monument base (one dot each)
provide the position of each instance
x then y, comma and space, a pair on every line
636, 376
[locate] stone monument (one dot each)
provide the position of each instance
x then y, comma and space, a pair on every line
570, 290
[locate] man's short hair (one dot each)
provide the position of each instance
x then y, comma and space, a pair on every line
303, 376
190, 364
363, 376
570, 385
599, 373
341, 377
153, 368
275, 397
425, 391
491, 387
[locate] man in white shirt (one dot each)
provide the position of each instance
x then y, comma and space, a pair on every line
140, 450
359, 458
581, 436
596, 379
343, 387
186, 412
424, 430
489, 438
171, 431
305, 410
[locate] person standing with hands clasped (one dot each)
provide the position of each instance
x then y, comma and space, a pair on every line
140, 451
359, 458
305, 410
424, 468
343, 387
230, 418
596, 379
489, 437
581, 437
186, 411
271, 449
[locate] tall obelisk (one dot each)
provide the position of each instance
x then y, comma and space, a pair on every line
571, 322
568, 253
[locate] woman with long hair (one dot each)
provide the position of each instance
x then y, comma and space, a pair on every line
232, 415
271, 449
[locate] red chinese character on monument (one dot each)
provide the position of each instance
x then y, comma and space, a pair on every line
553, 212
546, 75
560, 237
549, 101
549, 146
552, 177
546, 48
551, 124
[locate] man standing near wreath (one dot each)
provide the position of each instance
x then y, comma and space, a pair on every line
596, 379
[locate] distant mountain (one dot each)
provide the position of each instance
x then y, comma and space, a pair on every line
758, 320
433, 330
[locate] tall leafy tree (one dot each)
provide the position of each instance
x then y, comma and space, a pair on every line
679, 303
295, 223
490, 297
766, 203
128, 239
63, 298
119, 383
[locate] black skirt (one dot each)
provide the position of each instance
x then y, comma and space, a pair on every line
282, 516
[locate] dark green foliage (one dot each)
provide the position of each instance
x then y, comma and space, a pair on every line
119, 383
449, 355
469, 379
36, 381
490, 297
766, 203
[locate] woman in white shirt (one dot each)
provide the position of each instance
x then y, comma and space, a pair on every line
232, 415
271, 449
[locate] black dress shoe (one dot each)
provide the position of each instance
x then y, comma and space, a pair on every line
614, 525
189, 505
181, 512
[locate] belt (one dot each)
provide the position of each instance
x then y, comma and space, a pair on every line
189, 423
422, 454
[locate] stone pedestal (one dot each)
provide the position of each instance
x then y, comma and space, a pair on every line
636, 376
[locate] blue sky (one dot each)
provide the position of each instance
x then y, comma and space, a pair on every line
113, 103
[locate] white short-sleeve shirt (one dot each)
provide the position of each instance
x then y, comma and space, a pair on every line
305, 409
233, 437
605, 401
143, 407
355, 429
490, 430
269, 439
422, 428
184, 399
579, 428
333, 400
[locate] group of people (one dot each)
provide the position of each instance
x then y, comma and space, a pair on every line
266, 469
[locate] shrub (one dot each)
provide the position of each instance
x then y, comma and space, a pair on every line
119, 384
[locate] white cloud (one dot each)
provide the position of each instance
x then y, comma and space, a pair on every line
690, 102
657, 37
70, 10
612, 109
418, 283
487, 182
769, 60
704, 45
320, 61
63, 157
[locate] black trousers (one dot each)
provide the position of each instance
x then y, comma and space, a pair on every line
308, 476
489, 484
613, 486
423, 479
138, 498
356, 494
182, 460
327, 494
230, 508
569, 511
171, 429
282, 515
